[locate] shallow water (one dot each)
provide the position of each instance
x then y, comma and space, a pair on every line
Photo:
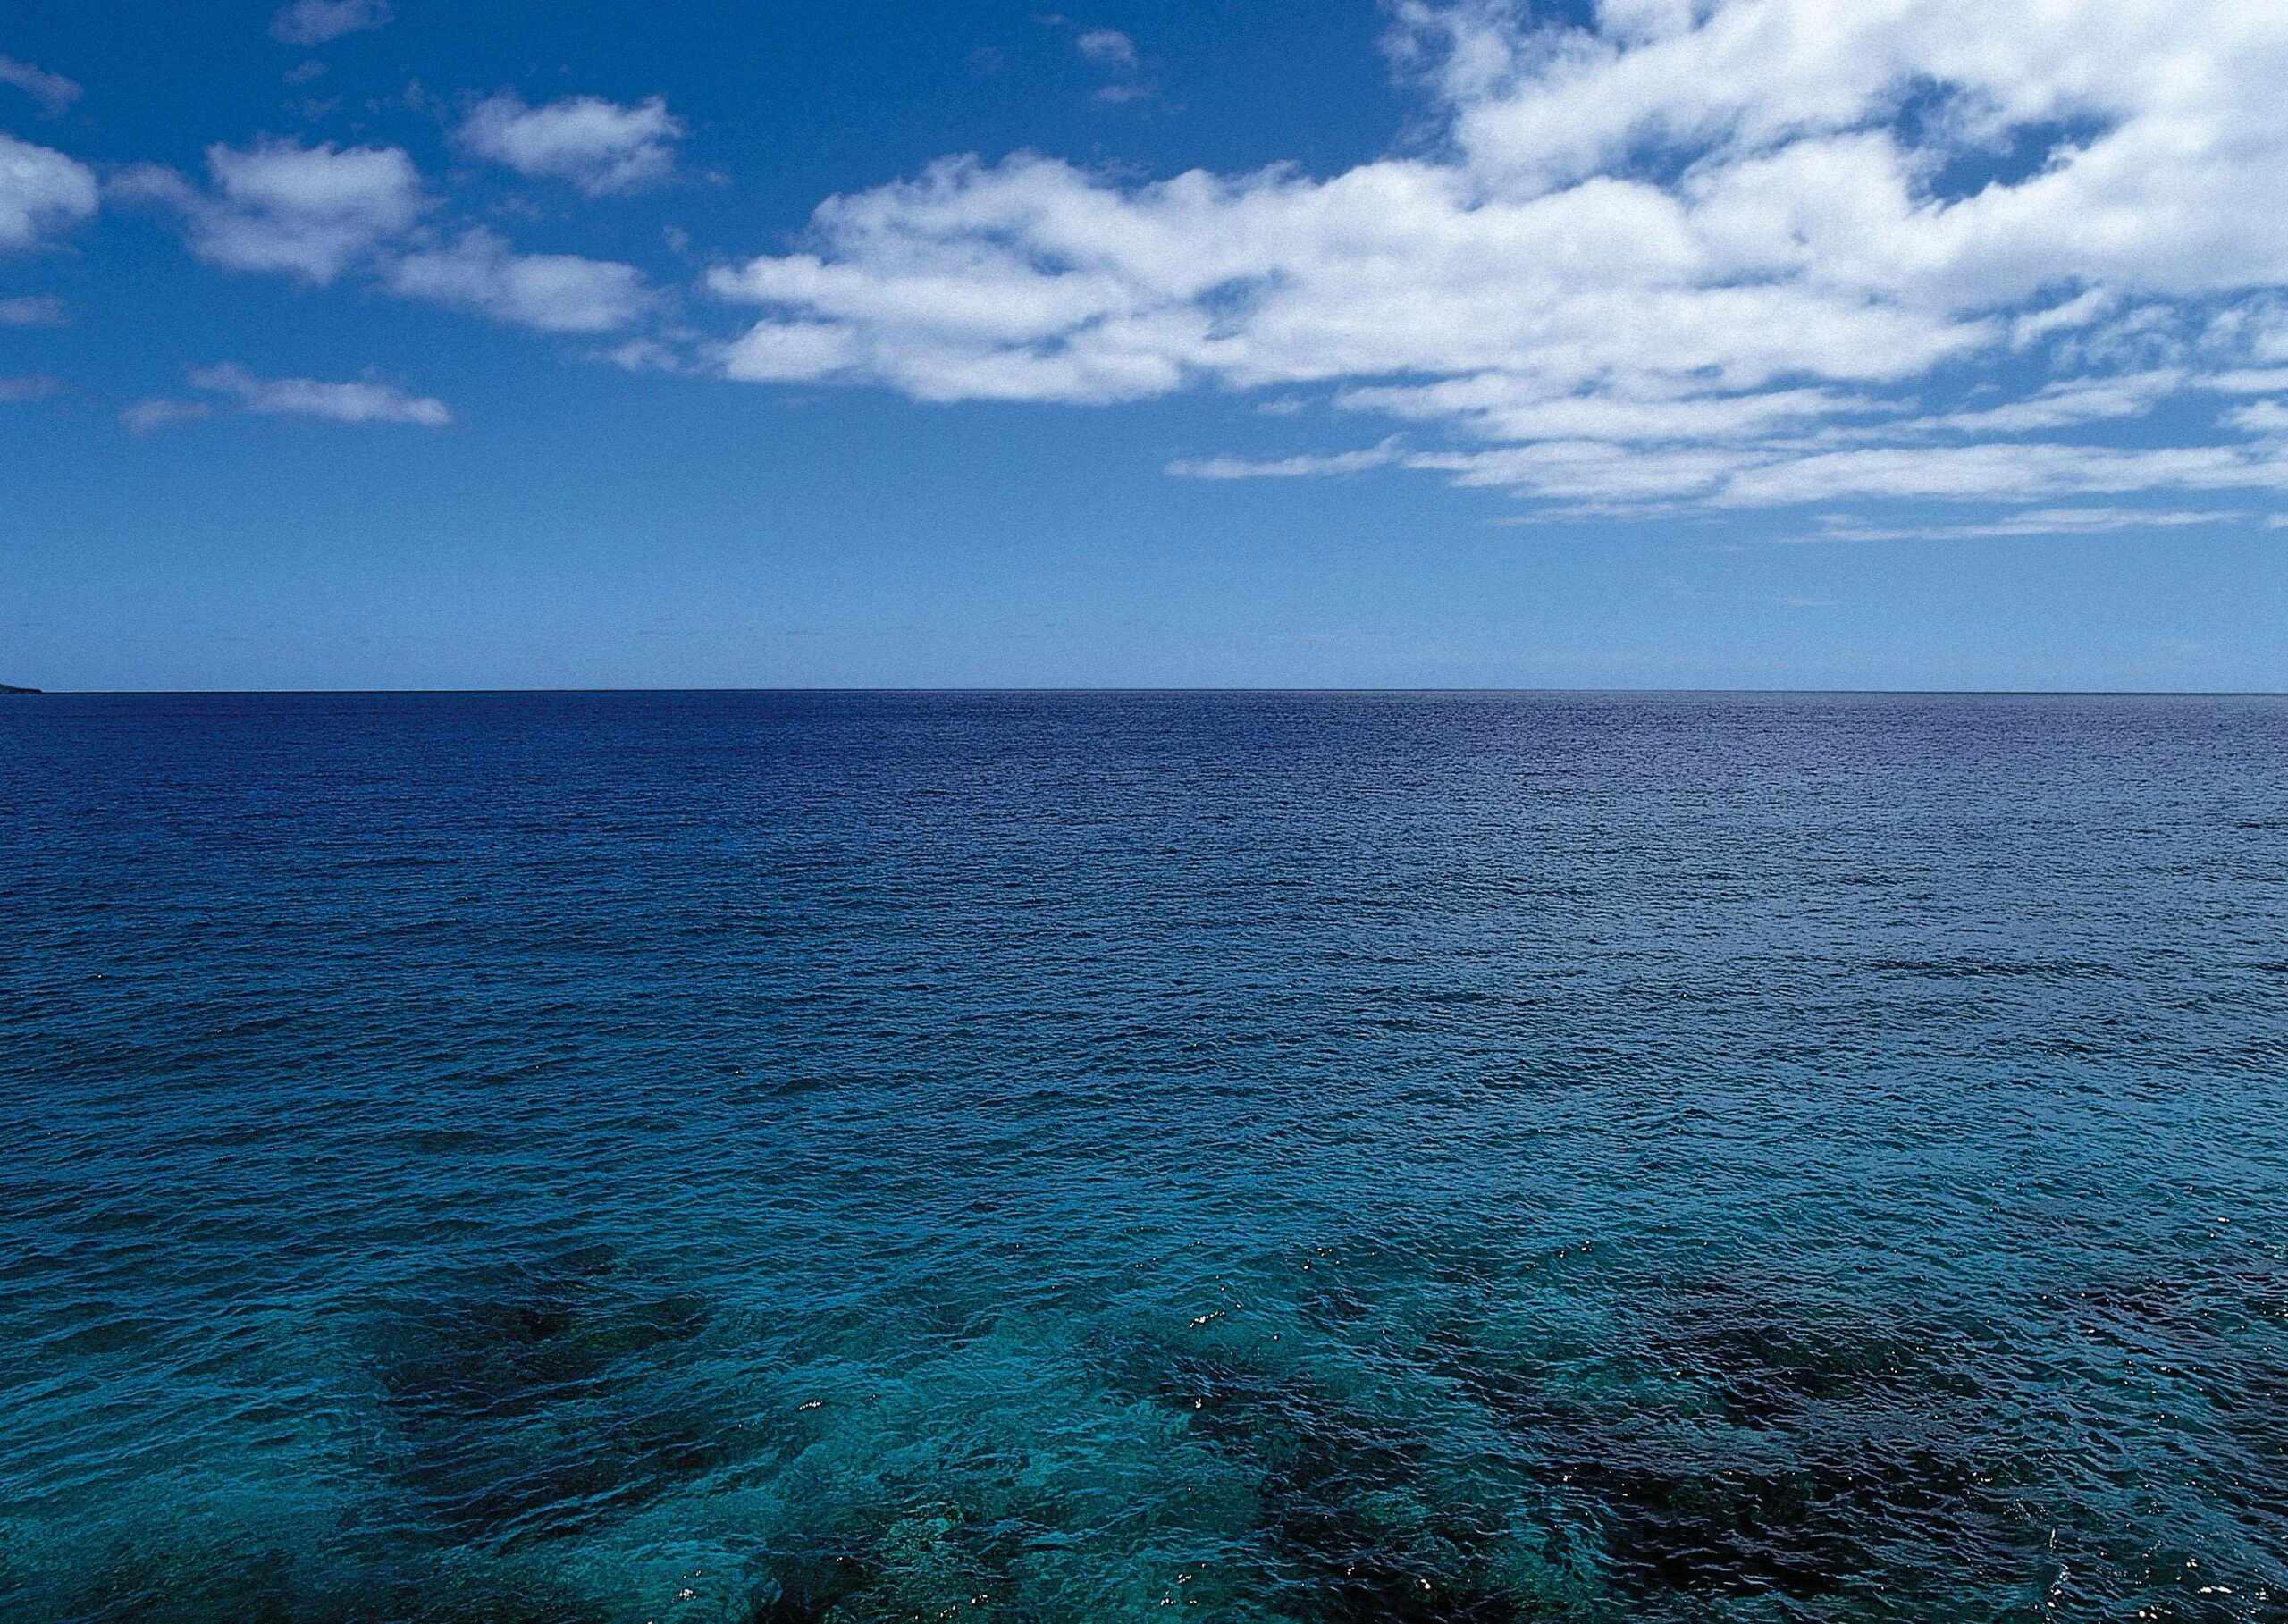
801, 1159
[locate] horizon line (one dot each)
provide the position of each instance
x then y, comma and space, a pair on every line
1171, 689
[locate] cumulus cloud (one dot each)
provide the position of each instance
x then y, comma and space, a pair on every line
355, 402
52, 91
549, 292
1744, 253
314, 213
41, 192
308, 23
307, 212
598, 146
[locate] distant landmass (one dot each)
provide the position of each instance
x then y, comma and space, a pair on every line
10, 688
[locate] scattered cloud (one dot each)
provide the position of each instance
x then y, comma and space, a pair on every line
41, 192
1107, 48
1289, 467
304, 73
32, 387
549, 293
149, 417
308, 23
34, 310
2249, 380
1683, 258
2263, 417
2065, 404
307, 212
598, 146
52, 91
646, 355
357, 402
2039, 522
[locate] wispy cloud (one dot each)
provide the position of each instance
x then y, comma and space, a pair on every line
32, 310
2040, 522
353, 402
53, 91
1303, 466
1108, 48
308, 23
149, 417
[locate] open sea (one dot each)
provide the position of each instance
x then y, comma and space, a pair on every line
810, 1158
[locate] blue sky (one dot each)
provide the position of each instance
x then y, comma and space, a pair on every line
1764, 343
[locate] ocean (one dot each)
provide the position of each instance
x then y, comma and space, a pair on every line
806, 1158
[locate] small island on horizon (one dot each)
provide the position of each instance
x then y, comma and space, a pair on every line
10, 687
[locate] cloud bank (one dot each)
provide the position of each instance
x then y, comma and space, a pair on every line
1752, 253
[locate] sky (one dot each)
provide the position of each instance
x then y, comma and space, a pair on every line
1640, 343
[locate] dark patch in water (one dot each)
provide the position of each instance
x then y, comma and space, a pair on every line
1319, 1461
807, 1587
232, 1581
1774, 1363
939, 1560
531, 1402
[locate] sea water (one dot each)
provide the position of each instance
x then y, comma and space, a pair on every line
791, 1159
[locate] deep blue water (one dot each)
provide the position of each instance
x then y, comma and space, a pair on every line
803, 1158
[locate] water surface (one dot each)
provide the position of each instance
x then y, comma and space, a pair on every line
784, 1158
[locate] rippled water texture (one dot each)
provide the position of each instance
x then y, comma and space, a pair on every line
795, 1159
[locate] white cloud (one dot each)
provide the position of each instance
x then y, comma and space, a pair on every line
32, 387
41, 190
52, 91
357, 402
600, 145
1734, 252
149, 417
2034, 522
309, 212
1289, 467
308, 23
35, 310
550, 292
2061, 405
790, 352
2264, 417
1108, 48
2250, 380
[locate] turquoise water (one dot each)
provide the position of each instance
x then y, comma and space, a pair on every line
792, 1158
